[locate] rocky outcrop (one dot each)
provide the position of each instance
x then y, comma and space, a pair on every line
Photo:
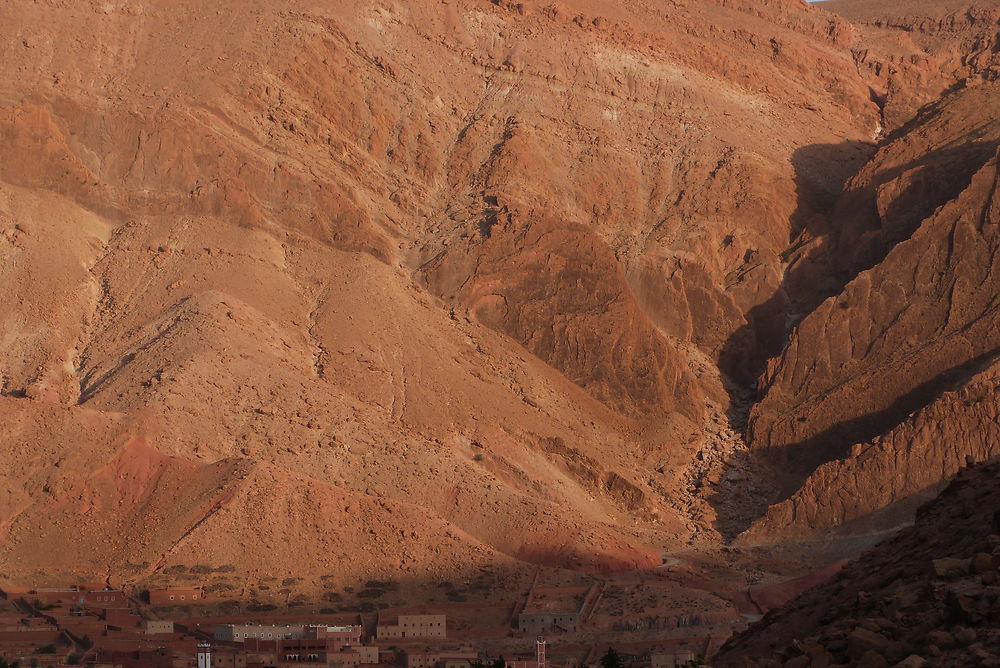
878, 486
558, 290
389, 253
408, 264
927, 597
920, 322
911, 53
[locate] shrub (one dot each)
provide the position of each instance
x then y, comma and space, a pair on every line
611, 659
219, 586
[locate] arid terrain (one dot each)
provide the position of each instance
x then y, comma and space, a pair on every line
928, 593
696, 295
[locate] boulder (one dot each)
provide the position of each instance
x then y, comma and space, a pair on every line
871, 659
940, 638
983, 563
948, 567
862, 641
965, 636
912, 661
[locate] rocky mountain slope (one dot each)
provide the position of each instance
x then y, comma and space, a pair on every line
914, 51
927, 597
899, 360
402, 279
275, 243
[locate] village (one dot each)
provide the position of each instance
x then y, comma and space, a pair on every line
91, 624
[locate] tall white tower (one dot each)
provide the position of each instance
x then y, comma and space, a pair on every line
204, 655
540, 652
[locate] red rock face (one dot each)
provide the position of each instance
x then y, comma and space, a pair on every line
879, 484
559, 291
919, 322
391, 254
481, 281
914, 52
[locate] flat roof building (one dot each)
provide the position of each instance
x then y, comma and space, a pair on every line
176, 596
157, 626
452, 657
414, 626
242, 632
337, 636
99, 598
543, 622
324, 651
680, 657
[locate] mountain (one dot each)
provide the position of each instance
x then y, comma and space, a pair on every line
382, 289
888, 385
398, 251
914, 51
926, 597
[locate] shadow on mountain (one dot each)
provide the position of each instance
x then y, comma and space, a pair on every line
852, 232
821, 170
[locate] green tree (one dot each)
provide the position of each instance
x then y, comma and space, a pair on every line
611, 659
499, 662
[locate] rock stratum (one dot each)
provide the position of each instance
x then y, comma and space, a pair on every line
910, 341
290, 283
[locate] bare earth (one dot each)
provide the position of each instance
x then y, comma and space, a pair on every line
416, 291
